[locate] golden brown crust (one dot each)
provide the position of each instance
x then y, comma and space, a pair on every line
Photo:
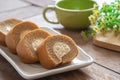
10, 42
45, 58
2, 39
27, 57
24, 49
4, 24
13, 37
66, 60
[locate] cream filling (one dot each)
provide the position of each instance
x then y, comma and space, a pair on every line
36, 43
61, 49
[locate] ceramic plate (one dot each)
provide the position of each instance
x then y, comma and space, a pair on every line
34, 71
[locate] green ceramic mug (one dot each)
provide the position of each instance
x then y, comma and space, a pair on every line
72, 14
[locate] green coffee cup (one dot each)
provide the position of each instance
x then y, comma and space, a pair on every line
72, 14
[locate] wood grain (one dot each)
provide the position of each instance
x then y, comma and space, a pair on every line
92, 72
42, 3
7, 5
21, 13
39, 20
100, 73
7, 72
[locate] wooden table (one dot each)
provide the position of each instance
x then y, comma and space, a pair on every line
106, 64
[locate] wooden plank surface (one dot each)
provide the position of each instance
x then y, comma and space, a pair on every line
22, 13
7, 72
42, 3
92, 72
39, 20
7, 5
45, 3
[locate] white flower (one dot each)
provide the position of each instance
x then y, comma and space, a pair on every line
118, 17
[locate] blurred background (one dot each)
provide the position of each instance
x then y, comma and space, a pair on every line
26, 8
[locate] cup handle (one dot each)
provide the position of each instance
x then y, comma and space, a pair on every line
45, 11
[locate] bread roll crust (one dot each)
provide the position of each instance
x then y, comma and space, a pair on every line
74, 47
2, 39
25, 49
13, 37
5, 27
47, 60
21, 49
44, 58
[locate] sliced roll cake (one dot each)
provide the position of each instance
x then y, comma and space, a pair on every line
19, 30
26, 48
56, 50
5, 27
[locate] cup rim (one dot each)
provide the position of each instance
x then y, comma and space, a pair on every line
83, 10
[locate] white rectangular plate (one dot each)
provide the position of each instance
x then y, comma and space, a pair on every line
34, 71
